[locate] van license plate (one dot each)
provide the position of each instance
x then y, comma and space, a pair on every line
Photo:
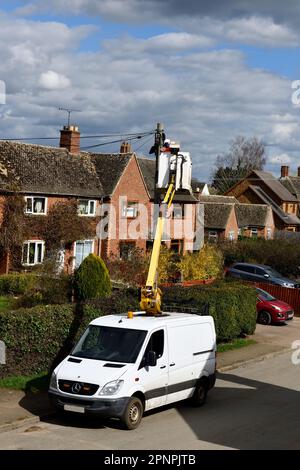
76, 409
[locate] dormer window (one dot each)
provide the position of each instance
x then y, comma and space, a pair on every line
87, 207
36, 205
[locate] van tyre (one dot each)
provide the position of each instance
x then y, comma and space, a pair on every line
200, 393
264, 318
133, 414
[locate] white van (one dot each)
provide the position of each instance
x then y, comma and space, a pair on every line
124, 366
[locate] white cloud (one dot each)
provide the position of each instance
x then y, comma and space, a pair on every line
266, 23
205, 98
53, 81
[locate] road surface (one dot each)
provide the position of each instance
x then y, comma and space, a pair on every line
252, 407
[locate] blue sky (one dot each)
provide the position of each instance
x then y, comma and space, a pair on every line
209, 73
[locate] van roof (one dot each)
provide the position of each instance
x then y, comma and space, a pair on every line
142, 322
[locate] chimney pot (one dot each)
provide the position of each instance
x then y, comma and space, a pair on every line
125, 147
70, 139
284, 171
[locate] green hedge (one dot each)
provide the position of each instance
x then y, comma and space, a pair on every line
38, 337
232, 305
16, 284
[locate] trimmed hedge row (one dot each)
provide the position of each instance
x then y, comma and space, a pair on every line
232, 305
17, 284
40, 337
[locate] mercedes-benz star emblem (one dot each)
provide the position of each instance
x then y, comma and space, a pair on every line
76, 387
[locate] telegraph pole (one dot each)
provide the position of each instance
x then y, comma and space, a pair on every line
158, 144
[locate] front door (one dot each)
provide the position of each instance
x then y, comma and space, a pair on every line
155, 378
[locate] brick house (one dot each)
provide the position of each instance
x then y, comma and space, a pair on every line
108, 187
220, 221
292, 183
255, 220
261, 187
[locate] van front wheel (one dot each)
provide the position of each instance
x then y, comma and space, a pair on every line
133, 413
200, 393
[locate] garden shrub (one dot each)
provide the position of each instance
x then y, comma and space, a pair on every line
281, 254
232, 305
204, 264
92, 279
16, 284
38, 337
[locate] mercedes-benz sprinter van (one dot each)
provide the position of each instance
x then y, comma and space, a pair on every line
124, 365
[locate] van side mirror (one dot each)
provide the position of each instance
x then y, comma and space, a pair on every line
266, 275
151, 359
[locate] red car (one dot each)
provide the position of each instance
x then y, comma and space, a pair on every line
270, 310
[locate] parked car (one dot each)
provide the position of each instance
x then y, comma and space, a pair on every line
259, 273
271, 310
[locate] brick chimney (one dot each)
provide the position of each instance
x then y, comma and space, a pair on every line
285, 171
70, 139
299, 171
125, 147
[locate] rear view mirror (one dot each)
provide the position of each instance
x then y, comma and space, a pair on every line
151, 359
266, 275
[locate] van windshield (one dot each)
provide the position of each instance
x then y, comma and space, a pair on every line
106, 343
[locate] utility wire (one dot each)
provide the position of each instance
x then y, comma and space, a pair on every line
124, 134
144, 143
112, 142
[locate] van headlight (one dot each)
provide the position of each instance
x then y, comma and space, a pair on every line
111, 388
53, 381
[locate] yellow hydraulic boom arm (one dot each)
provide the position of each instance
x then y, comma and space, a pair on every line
151, 294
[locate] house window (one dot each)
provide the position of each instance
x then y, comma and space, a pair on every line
33, 252
212, 236
231, 235
254, 233
36, 205
176, 246
83, 248
269, 233
87, 207
129, 210
126, 250
178, 211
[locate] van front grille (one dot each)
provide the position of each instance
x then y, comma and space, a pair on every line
77, 388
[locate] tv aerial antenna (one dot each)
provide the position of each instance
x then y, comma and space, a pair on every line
69, 111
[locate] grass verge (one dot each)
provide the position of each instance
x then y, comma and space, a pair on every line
235, 344
34, 384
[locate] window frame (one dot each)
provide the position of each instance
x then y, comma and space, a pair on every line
89, 201
213, 238
74, 251
231, 234
126, 205
35, 242
254, 232
32, 198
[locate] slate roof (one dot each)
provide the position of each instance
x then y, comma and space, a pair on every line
220, 199
251, 215
147, 167
292, 184
216, 215
289, 219
39, 169
279, 189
